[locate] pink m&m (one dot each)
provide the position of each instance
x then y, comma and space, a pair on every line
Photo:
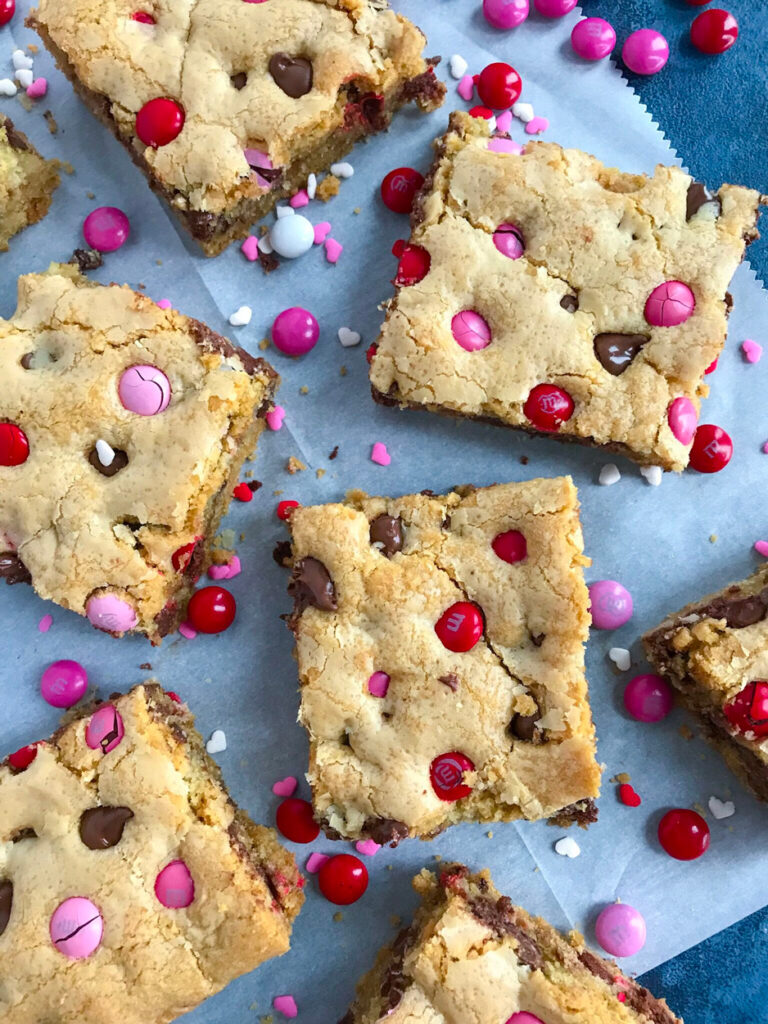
620, 929
682, 418
174, 886
470, 330
77, 928
295, 331
593, 38
505, 13
610, 604
508, 239
110, 613
63, 683
554, 8
144, 389
378, 684
648, 698
670, 304
257, 158
106, 229
645, 52
524, 1018
105, 729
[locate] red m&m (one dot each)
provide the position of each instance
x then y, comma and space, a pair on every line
510, 546
414, 263
711, 450
446, 773
499, 86
295, 821
211, 610
14, 446
399, 188
22, 758
159, 122
285, 509
748, 712
684, 834
460, 627
714, 31
7, 11
548, 407
343, 879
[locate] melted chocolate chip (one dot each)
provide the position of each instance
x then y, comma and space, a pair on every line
292, 74
334, 453
395, 983
270, 174
388, 532
638, 998
582, 813
119, 462
23, 833
12, 569
311, 584
385, 830
738, 612
86, 259
282, 553
523, 727
615, 352
239, 80
451, 680
698, 196
499, 915
102, 827
6, 903
537, 639
570, 303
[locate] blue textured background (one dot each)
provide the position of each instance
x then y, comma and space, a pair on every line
714, 110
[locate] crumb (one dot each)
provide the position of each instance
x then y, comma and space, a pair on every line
334, 453
67, 167
320, 473
33, 47
86, 259
622, 778
338, 916
263, 229
438, 857
303, 390
576, 938
395, 920
713, 538
242, 537
278, 493
264, 344
267, 1019
489, 835
142, 286
146, 666
50, 120
90, 195
294, 465
268, 261
328, 188
343, 371
699, 809
26, 102
686, 732
255, 485
523, 460
159, 263
356, 210
283, 554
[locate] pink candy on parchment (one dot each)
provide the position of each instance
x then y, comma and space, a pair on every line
620, 929
295, 331
110, 613
174, 886
76, 928
63, 683
670, 304
275, 417
106, 228
610, 604
144, 389
285, 787
380, 455
286, 1005
378, 684
367, 847
682, 418
648, 698
105, 729
470, 330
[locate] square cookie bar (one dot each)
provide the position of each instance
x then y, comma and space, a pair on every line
715, 653
228, 105
440, 649
543, 291
471, 954
27, 182
123, 427
131, 886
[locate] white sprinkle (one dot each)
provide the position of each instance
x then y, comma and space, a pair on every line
241, 316
264, 245
342, 170
25, 77
567, 847
721, 808
285, 211
7, 87
20, 60
609, 474
523, 111
652, 474
312, 185
620, 657
348, 338
217, 742
458, 66
105, 453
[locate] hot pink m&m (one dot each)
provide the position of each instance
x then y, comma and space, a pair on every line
554, 8
63, 683
648, 698
110, 613
593, 38
508, 239
645, 52
470, 330
620, 929
105, 729
682, 418
378, 684
610, 604
76, 928
505, 13
144, 389
174, 886
524, 1018
295, 331
106, 228
670, 304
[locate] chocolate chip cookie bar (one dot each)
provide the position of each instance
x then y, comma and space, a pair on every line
715, 653
228, 105
27, 182
543, 291
471, 954
123, 427
440, 650
131, 886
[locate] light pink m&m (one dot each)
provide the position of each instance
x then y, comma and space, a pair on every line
76, 928
174, 886
645, 52
295, 331
682, 418
106, 229
620, 929
257, 158
470, 330
505, 13
110, 613
508, 239
593, 38
105, 729
378, 684
610, 604
63, 683
648, 698
554, 8
144, 389
670, 304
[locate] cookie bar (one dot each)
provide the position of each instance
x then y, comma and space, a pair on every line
543, 291
715, 653
440, 650
27, 182
228, 106
471, 954
123, 427
131, 886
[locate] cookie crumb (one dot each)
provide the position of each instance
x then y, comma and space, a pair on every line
303, 390
50, 120
338, 916
146, 666
328, 188
343, 371
686, 732
320, 473
713, 538
524, 460
264, 344
294, 465
395, 920
334, 453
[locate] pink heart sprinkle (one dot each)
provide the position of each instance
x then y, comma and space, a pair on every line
300, 199
315, 861
186, 630
367, 847
504, 121
537, 125
286, 786
45, 623
380, 455
38, 88
761, 547
275, 417
321, 231
163, 303
285, 1005
752, 351
466, 88
250, 247
227, 571
333, 250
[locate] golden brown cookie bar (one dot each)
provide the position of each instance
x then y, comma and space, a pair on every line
471, 954
715, 653
440, 649
131, 886
247, 98
27, 182
123, 428
536, 286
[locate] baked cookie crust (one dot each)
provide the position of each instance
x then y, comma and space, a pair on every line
27, 182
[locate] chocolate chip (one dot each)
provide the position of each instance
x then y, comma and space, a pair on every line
385, 830
311, 584
334, 453
738, 612
119, 462
698, 196
282, 553
537, 639
23, 833
523, 727
616, 351
451, 680
387, 531
270, 174
86, 259
12, 569
102, 827
6, 902
239, 80
501, 917
292, 74
570, 303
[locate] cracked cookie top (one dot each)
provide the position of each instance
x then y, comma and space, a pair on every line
440, 648
544, 291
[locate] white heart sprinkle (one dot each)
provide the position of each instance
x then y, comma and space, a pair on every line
620, 657
241, 316
7, 87
217, 742
264, 245
609, 474
20, 60
284, 211
721, 808
458, 66
524, 111
105, 453
348, 338
342, 170
567, 847
25, 78
652, 474
312, 186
